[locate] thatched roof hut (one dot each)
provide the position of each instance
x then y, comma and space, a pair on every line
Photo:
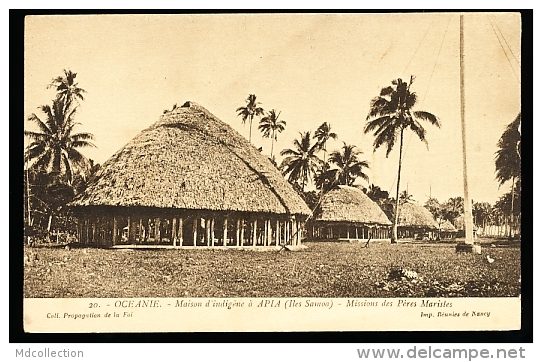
415, 221
413, 215
447, 226
191, 165
346, 212
446, 229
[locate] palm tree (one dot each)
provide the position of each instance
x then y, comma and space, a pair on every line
323, 134
54, 148
326, 178
250, 111
390, 114
508, 157
301, 163
348, 164
67, 88
405, 197
271, 126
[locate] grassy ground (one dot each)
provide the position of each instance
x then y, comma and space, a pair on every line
325, 269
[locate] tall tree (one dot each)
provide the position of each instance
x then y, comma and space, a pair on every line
323, 134
348, 164
271, 126
508, 158
251, 110
67, 88
434, 207
389, 116
55, 147
482, 213
453, 208
325, 178
376, 194
301, 162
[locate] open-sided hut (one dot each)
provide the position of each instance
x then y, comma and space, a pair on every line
459, 224
347, 213
189, 180
415, 221
446, 230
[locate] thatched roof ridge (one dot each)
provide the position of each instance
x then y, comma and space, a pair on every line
350, 204
189, 159
447, 226
414, 215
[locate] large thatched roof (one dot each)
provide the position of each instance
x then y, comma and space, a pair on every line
189, 159
350, 204
414, 215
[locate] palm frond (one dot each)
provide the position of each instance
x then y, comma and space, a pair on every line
429, 117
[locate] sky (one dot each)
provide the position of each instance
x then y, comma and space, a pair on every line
313, 68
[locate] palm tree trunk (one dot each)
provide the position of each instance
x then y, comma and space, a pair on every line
250, 131
396, 216
272, 146
512, 207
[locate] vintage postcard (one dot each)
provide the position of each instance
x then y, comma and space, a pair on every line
272, 172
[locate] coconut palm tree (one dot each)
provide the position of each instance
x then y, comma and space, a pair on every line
250, 111
67, 88
54, 148
323, 134
271, 126
301, 162
349, 166
326, 178
508, 157
389, 116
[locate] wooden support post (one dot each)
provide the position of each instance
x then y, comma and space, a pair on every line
254, 232
237, 232
87, 223
277, 233
265, 231
174, 231
115, 231
195, 229
242, 232
207, 232
94, 230
348, 231
225, 232
299, 232
157, 231
180, 232
294, 231
141, 231
148, 231
212, 232
269, 233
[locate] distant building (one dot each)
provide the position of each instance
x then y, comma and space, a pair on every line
416, 222
347, 213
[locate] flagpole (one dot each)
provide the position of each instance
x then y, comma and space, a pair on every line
468, 244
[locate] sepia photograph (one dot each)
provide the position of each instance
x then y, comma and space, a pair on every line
272, 172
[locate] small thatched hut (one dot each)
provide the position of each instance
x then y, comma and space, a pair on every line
189, 180
446, 230
347, 213
459, 224
415, 221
